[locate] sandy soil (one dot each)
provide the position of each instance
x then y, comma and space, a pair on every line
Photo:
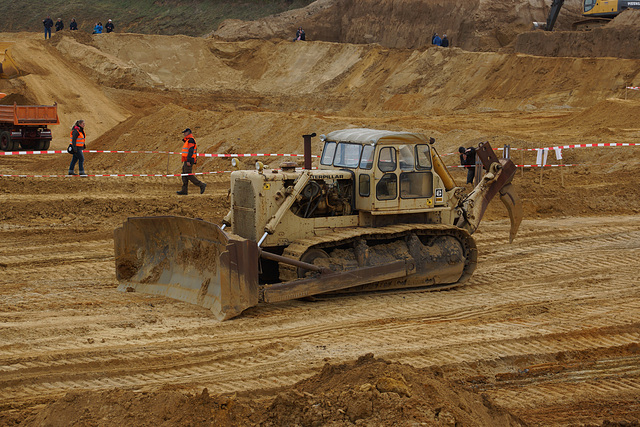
545, 333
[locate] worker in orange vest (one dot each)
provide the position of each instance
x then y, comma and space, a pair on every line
189, 158
76, 147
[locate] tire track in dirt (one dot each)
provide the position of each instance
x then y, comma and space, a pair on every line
491, 318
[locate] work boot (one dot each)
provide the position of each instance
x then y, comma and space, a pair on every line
182, 193
83, 174
203, 187
72, 173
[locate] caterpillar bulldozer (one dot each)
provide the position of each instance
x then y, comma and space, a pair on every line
596, 13
380, 212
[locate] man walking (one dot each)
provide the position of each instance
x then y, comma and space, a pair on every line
78, 138
189, 158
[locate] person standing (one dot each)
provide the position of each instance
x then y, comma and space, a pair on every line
48, 23
59, 25
436, 40
109, 27
98, 28
468, 160
445, 41
77, 146
189, 158
73, 25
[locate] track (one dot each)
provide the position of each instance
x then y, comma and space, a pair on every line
545, 326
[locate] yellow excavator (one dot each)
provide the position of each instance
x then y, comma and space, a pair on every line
8, 67
596, 12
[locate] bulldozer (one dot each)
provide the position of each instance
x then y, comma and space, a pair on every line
380, 212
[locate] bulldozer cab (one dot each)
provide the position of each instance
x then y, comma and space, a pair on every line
393, 170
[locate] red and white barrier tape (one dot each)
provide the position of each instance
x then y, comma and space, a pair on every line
601, 144
115, 175
633, 87
160, 175
21, 153
523, 166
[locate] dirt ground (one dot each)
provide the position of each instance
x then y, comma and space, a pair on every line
545, 333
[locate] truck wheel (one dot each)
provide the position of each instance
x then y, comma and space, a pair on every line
28, 144
5, 141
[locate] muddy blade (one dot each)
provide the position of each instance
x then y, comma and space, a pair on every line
189, 260
513, 204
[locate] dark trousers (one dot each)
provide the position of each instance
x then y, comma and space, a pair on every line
187, 178
78, 157
471, 173
47, 31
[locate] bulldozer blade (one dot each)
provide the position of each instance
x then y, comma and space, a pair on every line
190, 260
514, 206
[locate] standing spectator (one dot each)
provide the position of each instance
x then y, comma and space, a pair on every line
77, 145
98, 28
468, 159
59, 25
48, 23
109, 27
73, 25
445, 41
300, 34
436, 40
189, 158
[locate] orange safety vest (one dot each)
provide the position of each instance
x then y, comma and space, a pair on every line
80, 139
186, 146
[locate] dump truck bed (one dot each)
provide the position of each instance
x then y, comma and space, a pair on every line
29, 114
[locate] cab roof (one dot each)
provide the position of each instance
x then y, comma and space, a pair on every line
374, 136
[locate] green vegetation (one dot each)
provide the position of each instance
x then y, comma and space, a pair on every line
169, 17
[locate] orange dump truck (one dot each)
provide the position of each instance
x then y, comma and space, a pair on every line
26, 126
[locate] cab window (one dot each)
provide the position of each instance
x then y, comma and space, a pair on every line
327, 153
365, 185
588, 5
423, 156
347, 155
416, 185
387, 187
406, 158
367, 157
387, 159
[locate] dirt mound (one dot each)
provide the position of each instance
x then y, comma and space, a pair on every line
370, 391
472, 25
619, 41
628, 18
377, 392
